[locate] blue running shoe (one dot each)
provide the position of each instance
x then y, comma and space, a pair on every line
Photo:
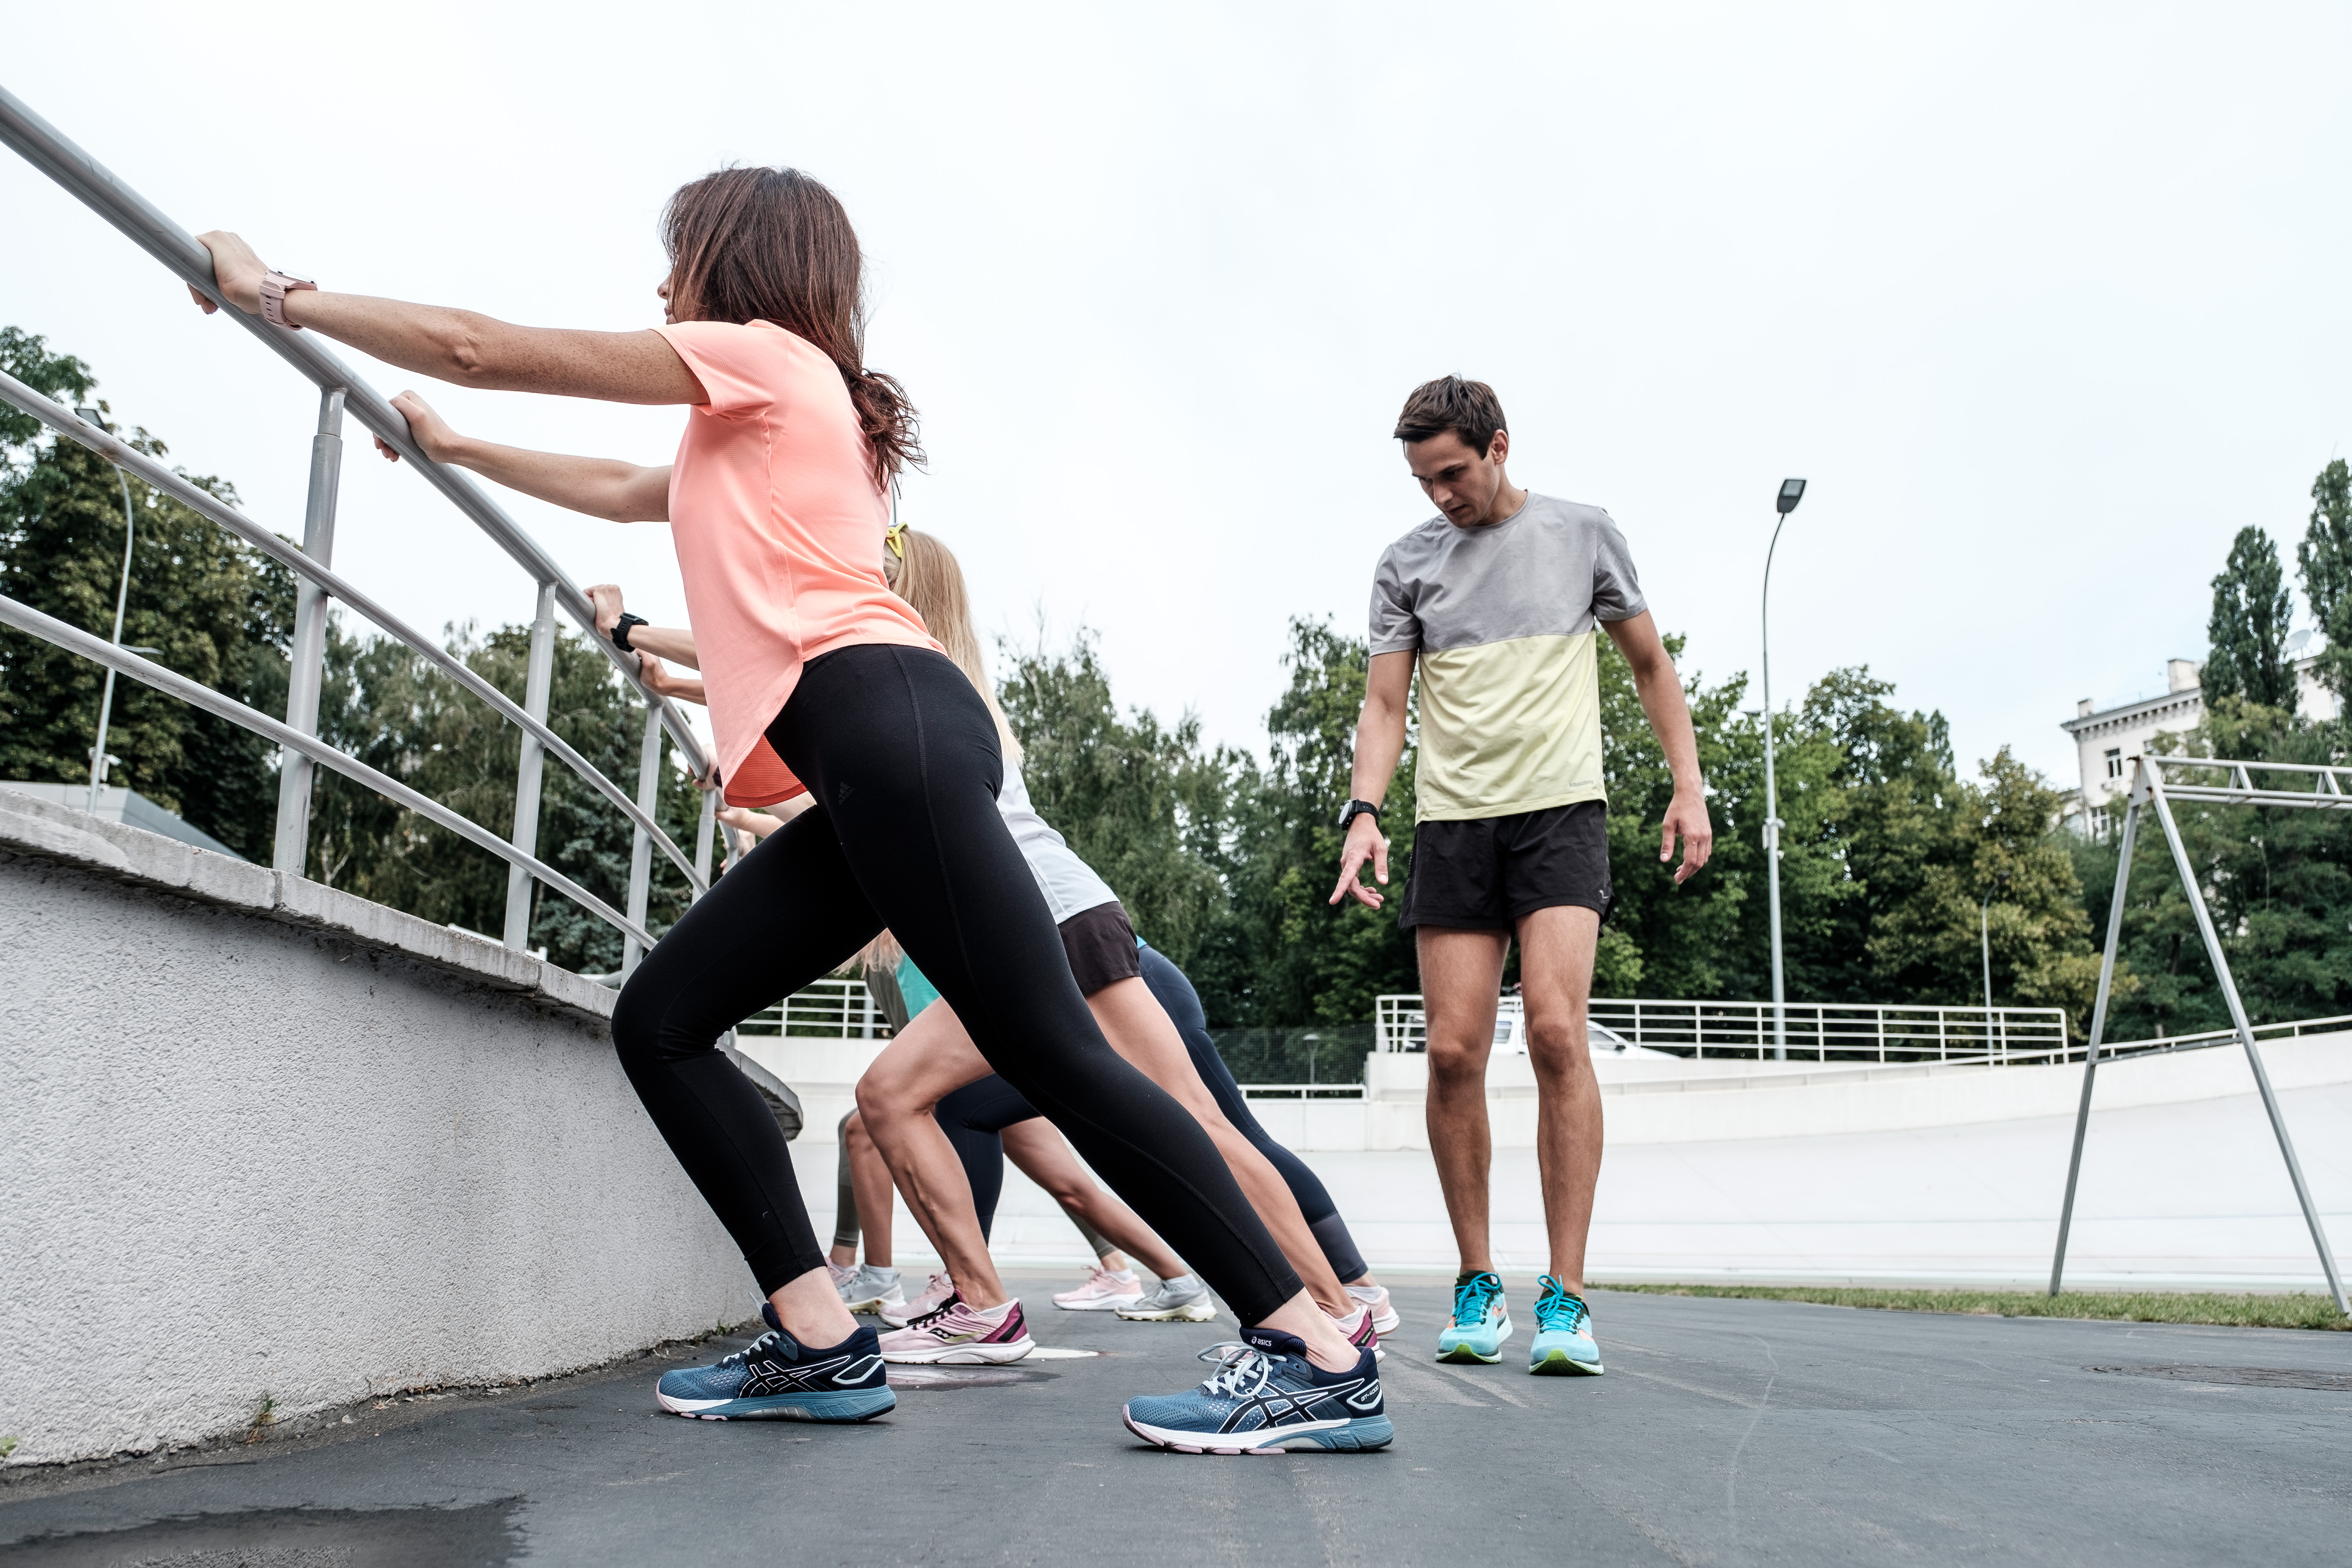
1266, 1397
1480, 1322
1564, 1344
777, 1378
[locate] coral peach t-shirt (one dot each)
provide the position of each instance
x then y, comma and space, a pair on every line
778, 524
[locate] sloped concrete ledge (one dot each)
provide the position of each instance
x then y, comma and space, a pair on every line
45, 831
262, 1138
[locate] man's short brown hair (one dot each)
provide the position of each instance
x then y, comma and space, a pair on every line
1468, 408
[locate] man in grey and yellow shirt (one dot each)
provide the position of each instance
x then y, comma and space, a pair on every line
1499, 599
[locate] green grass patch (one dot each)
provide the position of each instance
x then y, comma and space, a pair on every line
2135, 1306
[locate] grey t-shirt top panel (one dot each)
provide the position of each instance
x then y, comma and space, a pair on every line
1550, 569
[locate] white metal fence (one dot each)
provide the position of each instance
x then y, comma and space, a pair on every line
1815, 1031
840, 1009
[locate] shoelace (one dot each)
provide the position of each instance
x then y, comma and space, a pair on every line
1473, 1297
1243, 1369
765, 1342
1559, 1309
926, 1319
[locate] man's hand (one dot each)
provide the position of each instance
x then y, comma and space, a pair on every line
606, 597
1364, 843
427, 429
1686, 816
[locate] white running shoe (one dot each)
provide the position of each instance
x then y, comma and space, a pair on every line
1106, 1291
872, 1290
1376, 1297
937, 1290
1183, 1300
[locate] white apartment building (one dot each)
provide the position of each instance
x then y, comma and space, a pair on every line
2107, 739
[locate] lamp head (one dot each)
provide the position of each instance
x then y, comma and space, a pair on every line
1791, 492
91, 416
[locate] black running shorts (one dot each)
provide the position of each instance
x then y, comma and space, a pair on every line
1483, 874
1101, 945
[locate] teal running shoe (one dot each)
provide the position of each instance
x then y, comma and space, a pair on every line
1480, 1322
777, 1378
1564, 1344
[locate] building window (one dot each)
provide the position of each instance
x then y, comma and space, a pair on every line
2115, 763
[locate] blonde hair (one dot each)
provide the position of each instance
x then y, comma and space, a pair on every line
929, 578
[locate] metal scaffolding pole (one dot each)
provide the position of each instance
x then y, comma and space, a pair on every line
2098, 1033
295, 771
2148, 783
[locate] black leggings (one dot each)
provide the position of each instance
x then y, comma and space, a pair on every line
901, 754
975, 1117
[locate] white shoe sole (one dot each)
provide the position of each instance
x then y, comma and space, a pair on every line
875, 1304
1098, 1303
1199, 1311
966, 1354
1299, 1435
1388, 1325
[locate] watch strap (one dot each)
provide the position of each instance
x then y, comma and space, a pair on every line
621, 630
275, 287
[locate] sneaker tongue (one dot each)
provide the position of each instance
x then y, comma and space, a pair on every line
1274, 1342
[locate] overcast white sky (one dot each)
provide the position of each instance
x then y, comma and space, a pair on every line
2046, 301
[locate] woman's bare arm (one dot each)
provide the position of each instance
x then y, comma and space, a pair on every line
465, 346
597, 486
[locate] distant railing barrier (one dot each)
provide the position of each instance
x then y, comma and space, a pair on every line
1815, 1031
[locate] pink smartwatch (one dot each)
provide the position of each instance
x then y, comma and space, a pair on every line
275, 287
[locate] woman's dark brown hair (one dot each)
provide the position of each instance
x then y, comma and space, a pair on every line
774, 245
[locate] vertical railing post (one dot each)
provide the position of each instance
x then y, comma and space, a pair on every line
705, 820
289, 852
641, 844
527, 771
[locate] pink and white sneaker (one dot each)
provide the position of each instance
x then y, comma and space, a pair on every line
937, 1292
958, 1335
1358, 1326
1376, 1297
1106, 1291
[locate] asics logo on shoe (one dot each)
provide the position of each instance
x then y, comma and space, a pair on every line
763, 1377
1275, 1408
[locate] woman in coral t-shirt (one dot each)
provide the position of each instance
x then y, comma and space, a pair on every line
822, 680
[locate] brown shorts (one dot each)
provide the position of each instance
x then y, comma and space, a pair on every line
1101, 945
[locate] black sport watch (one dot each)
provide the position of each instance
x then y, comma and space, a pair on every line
621, 630
1356, 808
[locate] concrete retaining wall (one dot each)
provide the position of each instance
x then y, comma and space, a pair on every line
257, 1136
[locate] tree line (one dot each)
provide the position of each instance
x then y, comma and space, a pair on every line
1895, 856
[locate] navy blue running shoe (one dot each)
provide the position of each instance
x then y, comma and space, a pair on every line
1266, 1397
777, 1378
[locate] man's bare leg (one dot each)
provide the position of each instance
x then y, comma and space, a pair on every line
1461, 986
1556, 949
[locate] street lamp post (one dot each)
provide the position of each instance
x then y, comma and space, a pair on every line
122, 597
1791, 492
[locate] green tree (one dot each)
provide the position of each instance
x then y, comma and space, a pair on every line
1285, 955
1136, 799
2325, 557
2247, 634
220, 612
387, 705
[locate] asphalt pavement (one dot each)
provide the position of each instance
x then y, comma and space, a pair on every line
1724, 1431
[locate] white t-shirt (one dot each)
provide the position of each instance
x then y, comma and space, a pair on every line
1069, 884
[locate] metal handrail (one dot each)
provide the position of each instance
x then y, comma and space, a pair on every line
26, 618
2328, 790
122, 455
341, 391
43, 146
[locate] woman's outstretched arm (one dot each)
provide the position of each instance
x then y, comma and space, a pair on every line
465, 346
599, 487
